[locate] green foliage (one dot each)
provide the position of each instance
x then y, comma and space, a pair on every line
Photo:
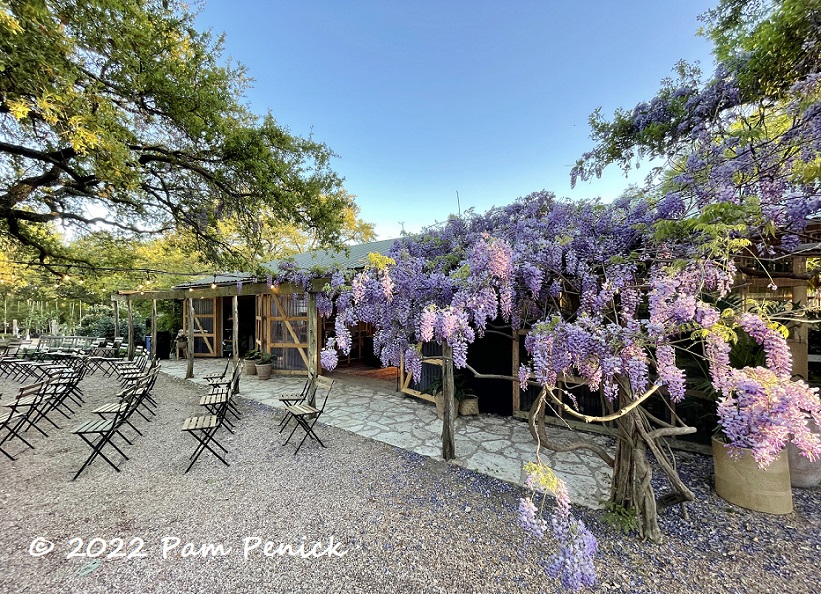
264, 358
780, 38
124, 105
460, 390
253, 355
619, 517
99, 321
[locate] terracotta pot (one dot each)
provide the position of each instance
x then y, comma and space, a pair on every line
250, 367
264, 370
803, 473
469, 405
741, 482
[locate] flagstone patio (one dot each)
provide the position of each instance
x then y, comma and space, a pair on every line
490, 444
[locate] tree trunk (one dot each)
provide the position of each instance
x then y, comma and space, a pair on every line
631, 487
449, 418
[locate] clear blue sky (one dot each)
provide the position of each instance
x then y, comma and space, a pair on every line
421, 99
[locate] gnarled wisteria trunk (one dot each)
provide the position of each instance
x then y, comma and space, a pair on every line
631, 487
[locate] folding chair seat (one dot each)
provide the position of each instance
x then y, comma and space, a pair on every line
204, 429
99, 433
11, 426
306, 415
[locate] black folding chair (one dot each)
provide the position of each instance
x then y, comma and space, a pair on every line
11, 424
306, 415
37, 400
221, 391
99, 433
204, 429
308, 394
218, 377
142, 387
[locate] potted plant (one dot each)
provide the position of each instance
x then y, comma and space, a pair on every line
758, 414
251, 358
182, 345
264, 365
466, 401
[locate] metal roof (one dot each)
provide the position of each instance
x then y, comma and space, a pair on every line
354, 257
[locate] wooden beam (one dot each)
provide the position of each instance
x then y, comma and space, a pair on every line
221, 291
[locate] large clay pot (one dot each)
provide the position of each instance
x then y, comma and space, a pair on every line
264, 370
803, 473
740, 481
250, 367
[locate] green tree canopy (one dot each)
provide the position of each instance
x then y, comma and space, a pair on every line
120, 115
749, 135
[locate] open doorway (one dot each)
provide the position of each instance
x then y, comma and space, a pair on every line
245, 309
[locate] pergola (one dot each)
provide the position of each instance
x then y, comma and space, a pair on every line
263, 294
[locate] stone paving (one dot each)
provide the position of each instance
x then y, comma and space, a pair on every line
490, 444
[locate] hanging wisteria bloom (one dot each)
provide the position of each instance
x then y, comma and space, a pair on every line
762, 412
577, 547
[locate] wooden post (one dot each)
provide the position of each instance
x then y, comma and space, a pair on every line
189, 372
448, 390
517, 403
313, 336
116, 319
799, 339
235, 335
235, 328
153, 329
130, 330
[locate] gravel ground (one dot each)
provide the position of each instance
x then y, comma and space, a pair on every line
408, 523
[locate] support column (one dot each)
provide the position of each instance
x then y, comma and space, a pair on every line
517, 392
799, 332
189, 372
448, 392
153, 329
313, 335
235, 328
130, 330
116, 319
